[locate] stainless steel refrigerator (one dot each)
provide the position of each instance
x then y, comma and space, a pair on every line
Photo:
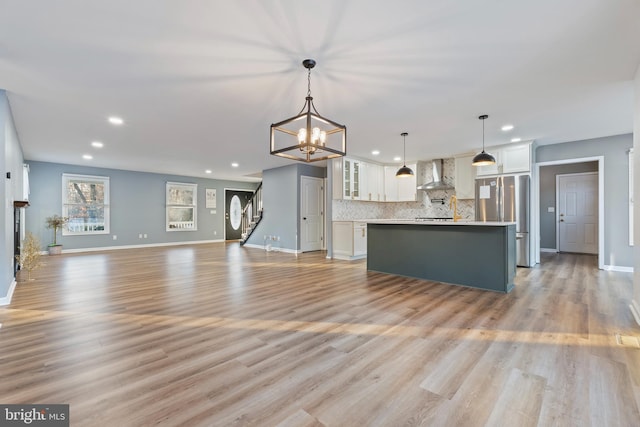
506, 199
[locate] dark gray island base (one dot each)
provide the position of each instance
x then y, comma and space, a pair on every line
479, 255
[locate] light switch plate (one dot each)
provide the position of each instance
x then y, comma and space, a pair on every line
551, 209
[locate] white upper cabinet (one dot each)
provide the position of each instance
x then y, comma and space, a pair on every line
350, 179
374, 191
465, 175
358, 180
513, 158
399, 189
390, 184
407, 191
516, 158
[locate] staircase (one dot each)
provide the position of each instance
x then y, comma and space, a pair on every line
251, 215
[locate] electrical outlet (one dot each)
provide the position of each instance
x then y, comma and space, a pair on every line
145, 235
140, 236
215, 233
115, 237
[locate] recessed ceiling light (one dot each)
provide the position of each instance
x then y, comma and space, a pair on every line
87, 156
375, 152
207, 171
234, 164
516, 139
507, 128
116, 120
97, 144
397, 158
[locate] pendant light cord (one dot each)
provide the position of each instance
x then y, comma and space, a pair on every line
483, 118
404, 150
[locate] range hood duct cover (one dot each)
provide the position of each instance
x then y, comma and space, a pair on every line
437, 183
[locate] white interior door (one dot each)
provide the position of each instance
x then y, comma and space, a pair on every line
578, 213
311, 213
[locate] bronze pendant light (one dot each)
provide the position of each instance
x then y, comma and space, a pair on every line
483, 158
404, 171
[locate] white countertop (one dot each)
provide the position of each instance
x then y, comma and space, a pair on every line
421, 222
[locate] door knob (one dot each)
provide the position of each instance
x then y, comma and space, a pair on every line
561, 214
562, 220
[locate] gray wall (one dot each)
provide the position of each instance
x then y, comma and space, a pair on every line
137, 202
636, 196
548, 198
617, 251
11, 158
281, 205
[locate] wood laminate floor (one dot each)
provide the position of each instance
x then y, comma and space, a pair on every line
218, 335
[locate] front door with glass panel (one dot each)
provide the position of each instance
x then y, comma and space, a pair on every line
234, 201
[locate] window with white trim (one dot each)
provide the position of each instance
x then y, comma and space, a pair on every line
182, 206
85, 202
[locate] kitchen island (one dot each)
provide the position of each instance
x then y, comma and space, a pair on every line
476, 254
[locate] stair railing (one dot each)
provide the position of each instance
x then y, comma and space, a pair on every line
251, 214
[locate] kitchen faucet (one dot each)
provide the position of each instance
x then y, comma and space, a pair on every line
454, 201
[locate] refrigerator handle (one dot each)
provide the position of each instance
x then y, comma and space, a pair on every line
500, 197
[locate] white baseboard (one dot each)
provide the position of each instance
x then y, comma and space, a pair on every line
150, 245
262, 247
348, 258
618, 268
6, 300
635, 310
548, 250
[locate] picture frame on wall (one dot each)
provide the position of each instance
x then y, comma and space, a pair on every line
210, 198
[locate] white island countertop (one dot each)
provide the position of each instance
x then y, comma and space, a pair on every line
436, 222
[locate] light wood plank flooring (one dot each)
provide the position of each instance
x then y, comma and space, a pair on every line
218, 335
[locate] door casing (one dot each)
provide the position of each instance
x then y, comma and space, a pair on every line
535, 209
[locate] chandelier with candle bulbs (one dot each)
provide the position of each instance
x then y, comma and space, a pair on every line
308, 137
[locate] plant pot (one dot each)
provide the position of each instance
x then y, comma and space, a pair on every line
55, 249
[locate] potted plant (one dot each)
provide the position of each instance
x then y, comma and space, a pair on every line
55, 222
29, 258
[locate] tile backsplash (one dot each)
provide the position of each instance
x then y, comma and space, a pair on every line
347, 210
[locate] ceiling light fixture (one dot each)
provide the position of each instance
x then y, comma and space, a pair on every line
234, 165
208, 171
87, 156
97, 144
404, 171
318, 139
516, 139
375, 152
483, 158
506, 128
116, 120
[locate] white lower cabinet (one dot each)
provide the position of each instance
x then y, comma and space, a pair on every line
349, 239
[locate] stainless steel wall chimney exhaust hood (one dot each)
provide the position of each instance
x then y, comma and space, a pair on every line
437, 183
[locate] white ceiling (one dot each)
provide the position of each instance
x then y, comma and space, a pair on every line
198, 83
